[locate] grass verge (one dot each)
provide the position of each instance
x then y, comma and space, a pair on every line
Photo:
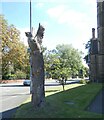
70, 103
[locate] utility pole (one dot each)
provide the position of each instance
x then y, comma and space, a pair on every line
29, 48
30, 18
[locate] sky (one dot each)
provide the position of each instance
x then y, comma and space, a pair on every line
65, 21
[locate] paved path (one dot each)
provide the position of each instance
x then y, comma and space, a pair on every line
97, 105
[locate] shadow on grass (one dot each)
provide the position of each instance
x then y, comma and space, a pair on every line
97, 105
8, 114
56, 106
51, 90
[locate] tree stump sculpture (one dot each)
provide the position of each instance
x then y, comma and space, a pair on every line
37, 66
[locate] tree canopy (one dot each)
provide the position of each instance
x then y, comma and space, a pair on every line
14, 52
63, 62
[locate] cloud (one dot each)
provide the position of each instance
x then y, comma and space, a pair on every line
71, 17
80, 21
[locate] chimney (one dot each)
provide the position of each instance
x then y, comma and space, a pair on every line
93, 32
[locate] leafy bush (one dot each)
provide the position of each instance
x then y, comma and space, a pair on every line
10, 77
4, 77
20, 75
28, 76
82, 81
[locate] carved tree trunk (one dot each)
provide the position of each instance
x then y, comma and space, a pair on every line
37, 71
37, 68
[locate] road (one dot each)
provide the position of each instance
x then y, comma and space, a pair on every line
11, 96
14, 94
55, 82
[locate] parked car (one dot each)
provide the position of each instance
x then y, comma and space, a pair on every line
26, 82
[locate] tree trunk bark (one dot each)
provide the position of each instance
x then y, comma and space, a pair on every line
37, 67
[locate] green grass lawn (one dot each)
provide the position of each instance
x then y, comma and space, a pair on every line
70, 103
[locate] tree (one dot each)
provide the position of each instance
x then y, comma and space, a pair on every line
14, 52
63, 62
86, 71
51, 63
70, 58
37, 67
88, 47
